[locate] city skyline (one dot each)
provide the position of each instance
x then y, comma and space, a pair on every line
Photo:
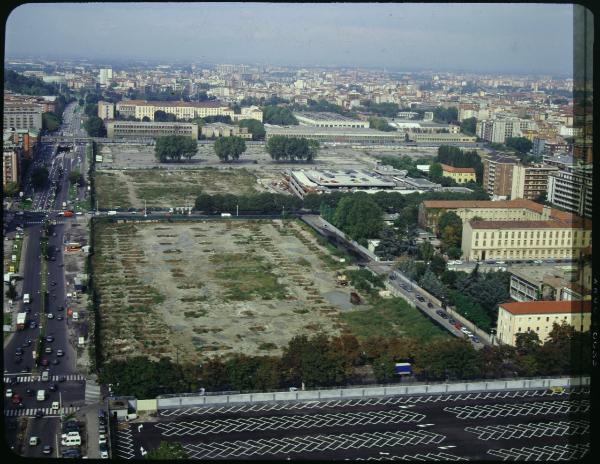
480, 38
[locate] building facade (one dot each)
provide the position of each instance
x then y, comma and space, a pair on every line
530, 182
250, 112
540, 317
118, 129
524, 240
106, 110
441, 138
323, 119
10, 166
497, 176
359, 136
218, 129
498, 130
22, 116
182, 110
571, 189
459, 175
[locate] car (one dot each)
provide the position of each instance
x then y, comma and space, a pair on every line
458, 261
62, 378
451, 262
500, 262
16, 399
32, 325
392, 276
49, 338
420, 298
39, 414
60, 353
102, 439
429, 304
464, 330
458, 325
29, 342
53, 284
556, 390
475, 339
50, 316
55, 362
9, 393
48, 350
44, 362
408, 289
538, 261
47, 449
59, 318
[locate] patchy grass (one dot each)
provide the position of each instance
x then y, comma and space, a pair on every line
392, 317
110, 191
247, 276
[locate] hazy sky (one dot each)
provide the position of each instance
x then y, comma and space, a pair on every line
528, 38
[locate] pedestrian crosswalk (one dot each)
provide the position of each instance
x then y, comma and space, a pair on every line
47, 411
37, 378
92, 392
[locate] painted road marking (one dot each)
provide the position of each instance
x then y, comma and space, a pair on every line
48, 412
518, 409
567, 452
245, 424
414, 457
530, 430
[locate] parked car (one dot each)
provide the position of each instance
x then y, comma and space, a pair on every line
48, 350
39, 414
9, 393
47, 449
60, 353
429, 304
452, 321
44, 362
49, 338
53, 387
475, 339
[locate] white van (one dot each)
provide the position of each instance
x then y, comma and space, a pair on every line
55, 406
41, 395
75, 316
33, 441
71, 441
45, 376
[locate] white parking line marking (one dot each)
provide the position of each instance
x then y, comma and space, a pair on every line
518, 409
530, 430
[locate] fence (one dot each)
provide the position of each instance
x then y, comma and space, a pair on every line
373, 391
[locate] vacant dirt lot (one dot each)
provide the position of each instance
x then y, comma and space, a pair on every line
212, 287
168, 188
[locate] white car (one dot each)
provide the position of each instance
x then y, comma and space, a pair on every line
538, 261
464, 330
500, 262
102, 439
458, 261
9, 393
50, 316
104, 454
451, 262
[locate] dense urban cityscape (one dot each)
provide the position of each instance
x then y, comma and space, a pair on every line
216, 260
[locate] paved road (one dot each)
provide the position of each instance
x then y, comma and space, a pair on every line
435, 427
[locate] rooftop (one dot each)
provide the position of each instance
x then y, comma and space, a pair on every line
324, 116
448, 168
548, 307
206, 104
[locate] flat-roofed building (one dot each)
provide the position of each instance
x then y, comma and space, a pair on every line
497, 176
10, 166
571, 189
530, 182
106, 110
441, 138
459, 175
181, 110
525, 240
342, 135
324, 119
541, 282
540, 317
124, 129
219, 129
302, 182
250, 112
22, 116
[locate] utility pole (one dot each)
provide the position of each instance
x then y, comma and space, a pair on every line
237, 210
145, 212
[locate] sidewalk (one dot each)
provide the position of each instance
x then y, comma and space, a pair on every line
17, 304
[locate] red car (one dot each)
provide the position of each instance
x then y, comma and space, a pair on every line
44, 362
16, 399
458, 325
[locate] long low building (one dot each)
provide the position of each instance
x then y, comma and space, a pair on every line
529, 240
323, 119
302, 182
182, 110
356, 135
539, 317
118, 129
441, 138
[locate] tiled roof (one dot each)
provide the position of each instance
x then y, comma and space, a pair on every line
520, 224
207, 104
547, 307
448, 168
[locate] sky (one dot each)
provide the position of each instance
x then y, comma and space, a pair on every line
520, 38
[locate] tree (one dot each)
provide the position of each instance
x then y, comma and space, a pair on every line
359, 216
454, 252
380, 124
50, 121
39, 177
527, 342
145, 119
432, 284
436, 173
437, 265
161, 116
426, 251
91, 109
95, 127
75, 177
454, 359
450, 230
279, 115
384, 368
521, 144
11, 189
174, 147
468, 126
292, 148
11, 293
167, 451
214, 375
255, 127
229, 148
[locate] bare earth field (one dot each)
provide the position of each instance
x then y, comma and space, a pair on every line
202, 288
168, 188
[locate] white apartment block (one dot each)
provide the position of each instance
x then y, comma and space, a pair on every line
22, 116
571, 189
498, 130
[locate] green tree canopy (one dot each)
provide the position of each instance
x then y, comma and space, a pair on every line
229, 148
11, 189
255, 127
520, 144
292, 148
174, 147
469, 126
450, 229
95, 127
161, 116
359, 216
380, 124
50, 121
75, 177
436, 173
279, 115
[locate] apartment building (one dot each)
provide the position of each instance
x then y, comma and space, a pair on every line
22, 116
24, 139
539, 317
324, 119
532, 283
182, 110
525, 240
497, 176
105, 76
498, 130
250, 112
118, 129
10, 166
530, 182
106, 110
571, 189
218, 129
459, 175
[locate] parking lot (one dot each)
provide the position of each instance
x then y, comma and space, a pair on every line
478, 425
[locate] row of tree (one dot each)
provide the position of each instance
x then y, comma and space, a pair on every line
174, 147
279, 115
322, 361
292, 148
229, 148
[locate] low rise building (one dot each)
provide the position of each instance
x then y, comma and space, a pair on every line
342, 135
555, 283
302, 182
324, 119
539, 317
22, 116
218, 129
459, 175
182, 110
119, 129
250, 112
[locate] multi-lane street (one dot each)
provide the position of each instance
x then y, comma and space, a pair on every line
22, 376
